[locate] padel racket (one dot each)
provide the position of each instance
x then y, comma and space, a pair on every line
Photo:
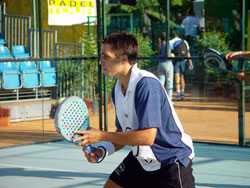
71, 115
216, 60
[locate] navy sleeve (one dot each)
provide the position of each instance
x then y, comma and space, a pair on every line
117, 123
149, 96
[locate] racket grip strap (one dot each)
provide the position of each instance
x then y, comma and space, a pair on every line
104, 152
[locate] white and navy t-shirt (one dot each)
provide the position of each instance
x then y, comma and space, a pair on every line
146, 105
172, 41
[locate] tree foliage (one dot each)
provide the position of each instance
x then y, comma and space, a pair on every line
90, 67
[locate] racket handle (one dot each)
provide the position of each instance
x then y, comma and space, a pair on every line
90, 150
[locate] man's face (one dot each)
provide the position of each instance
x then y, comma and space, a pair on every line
111, 64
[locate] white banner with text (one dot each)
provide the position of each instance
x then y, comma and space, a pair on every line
71, 12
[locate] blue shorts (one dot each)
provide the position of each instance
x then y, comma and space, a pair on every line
179, 67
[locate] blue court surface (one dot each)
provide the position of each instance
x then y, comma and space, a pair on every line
63, 165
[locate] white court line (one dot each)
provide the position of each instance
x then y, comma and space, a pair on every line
202, 187
38, 168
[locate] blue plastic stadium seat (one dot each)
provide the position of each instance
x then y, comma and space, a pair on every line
20, 52
5, 53
10, 75
48, 70
30, 74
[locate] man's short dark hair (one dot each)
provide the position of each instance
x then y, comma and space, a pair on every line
174, 34
190, 12
123, 44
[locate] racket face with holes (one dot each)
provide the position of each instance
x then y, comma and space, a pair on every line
216, 60
71, 115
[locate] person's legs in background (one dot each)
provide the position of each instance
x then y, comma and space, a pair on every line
161, 73
182, 86
177, 80
182, 79
165, 75
170, 77
179, 70
177, 86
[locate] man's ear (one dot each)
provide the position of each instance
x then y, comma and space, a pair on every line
124, 58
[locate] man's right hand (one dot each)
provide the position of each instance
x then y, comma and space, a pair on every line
96, 153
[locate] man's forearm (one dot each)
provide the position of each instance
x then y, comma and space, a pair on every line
245, 54
138, 137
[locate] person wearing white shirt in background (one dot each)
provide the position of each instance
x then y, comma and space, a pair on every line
179, 66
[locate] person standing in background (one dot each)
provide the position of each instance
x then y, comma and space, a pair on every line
191, 25
178, 45
165, 67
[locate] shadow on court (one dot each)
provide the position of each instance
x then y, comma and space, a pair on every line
52, 174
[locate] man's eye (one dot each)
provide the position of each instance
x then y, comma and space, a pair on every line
104, 57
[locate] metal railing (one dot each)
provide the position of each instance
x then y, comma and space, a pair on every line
49, 39
16, 30
68, 49
2, 12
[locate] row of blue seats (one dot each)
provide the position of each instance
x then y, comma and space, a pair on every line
19, 52
27, 74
